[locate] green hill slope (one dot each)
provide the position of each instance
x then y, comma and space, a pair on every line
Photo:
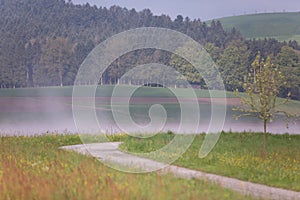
282, 26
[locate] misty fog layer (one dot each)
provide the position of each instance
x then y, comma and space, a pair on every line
39, 115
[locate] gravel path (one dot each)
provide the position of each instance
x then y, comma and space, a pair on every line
109, 152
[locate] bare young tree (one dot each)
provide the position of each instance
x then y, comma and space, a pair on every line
261, 94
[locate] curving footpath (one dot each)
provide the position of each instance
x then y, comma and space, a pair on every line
109, 152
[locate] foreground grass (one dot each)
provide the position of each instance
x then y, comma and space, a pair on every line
239, 156
34, 168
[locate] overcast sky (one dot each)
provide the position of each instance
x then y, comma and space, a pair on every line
203, 9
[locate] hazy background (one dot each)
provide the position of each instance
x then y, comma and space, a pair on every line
203, 9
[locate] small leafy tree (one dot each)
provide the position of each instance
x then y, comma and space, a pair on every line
261, 90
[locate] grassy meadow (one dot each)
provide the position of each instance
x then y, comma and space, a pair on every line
282, 26
237, 155
35, 168
107, 90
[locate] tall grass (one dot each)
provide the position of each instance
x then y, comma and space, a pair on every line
34, 168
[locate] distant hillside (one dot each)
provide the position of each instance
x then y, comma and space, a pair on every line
282, 26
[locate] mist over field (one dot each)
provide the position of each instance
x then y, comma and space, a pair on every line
52, 112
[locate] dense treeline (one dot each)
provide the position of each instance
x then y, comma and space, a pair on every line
43, 43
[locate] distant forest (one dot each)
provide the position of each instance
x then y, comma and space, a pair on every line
43, 43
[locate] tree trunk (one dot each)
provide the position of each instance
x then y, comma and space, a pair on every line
265, 138
61, 82
29, 76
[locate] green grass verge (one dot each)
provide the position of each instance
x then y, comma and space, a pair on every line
237, 155
34, 168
